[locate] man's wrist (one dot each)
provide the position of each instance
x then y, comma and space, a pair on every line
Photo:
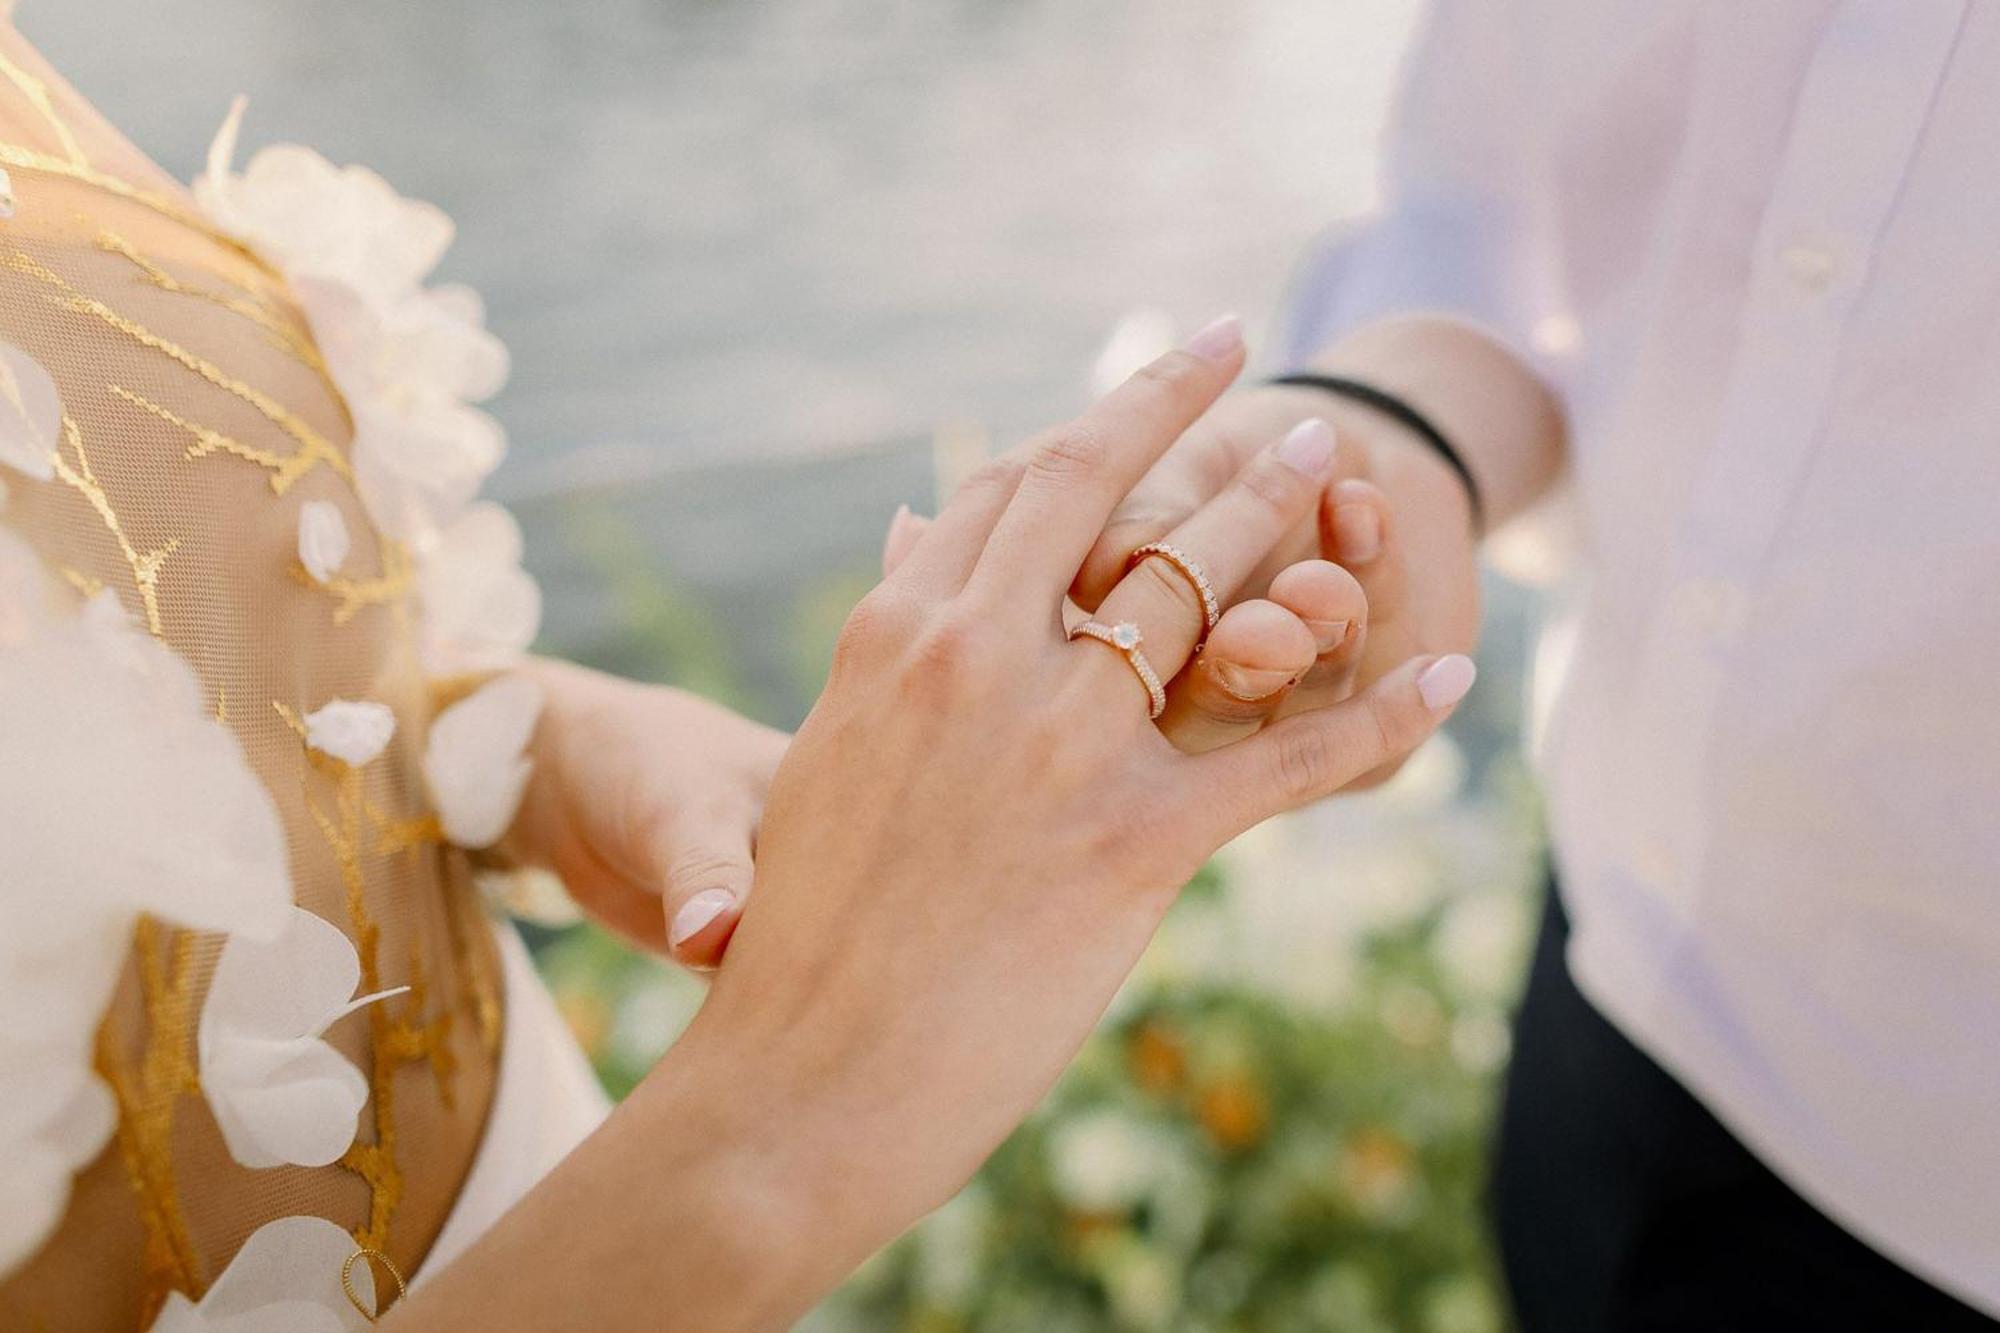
1505, 423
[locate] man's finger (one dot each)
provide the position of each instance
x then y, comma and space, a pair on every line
1256, 654
1301, 759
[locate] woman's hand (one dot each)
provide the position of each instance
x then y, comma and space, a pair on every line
970, 841
645, 802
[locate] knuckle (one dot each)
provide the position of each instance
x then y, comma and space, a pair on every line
696, 869
1273, 485
1071, 452
1395, 725
1306, 763
946, 659
1169, 373
997, 476
875, 621
1164, 586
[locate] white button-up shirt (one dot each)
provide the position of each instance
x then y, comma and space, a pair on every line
1757, 247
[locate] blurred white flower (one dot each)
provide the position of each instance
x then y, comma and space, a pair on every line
323, 540
113, 721
481, 610
6, 181
528, 893
1483, 943
1140, 336
474, 762
285, 1279
30, 414
280, 1094
1105, 1161
409, 360
353, 731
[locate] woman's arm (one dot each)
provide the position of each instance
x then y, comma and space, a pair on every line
965, 850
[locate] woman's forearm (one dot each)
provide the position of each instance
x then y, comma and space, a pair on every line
699, 1205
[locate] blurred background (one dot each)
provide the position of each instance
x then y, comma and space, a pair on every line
769, 268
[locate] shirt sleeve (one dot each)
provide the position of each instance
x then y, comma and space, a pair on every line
1463, 225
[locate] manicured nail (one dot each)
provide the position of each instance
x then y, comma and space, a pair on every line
1445, 681
1251, 684
896, 543
1308, 449
1328, 634
1360, 530
1218, 341
697, 912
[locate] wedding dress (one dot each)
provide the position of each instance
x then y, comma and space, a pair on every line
263, 1052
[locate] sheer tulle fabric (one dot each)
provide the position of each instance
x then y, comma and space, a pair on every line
202, 423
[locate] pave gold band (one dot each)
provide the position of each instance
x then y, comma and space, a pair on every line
1124, 639
1187, 567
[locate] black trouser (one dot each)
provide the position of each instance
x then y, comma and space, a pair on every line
1622, 1204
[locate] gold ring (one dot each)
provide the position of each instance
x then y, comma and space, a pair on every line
1125, 638
1188, 569
362, 1255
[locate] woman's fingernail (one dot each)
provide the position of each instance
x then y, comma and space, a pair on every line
1218, 341
1308, 448
697, 912
1360, 530
1445, 681
1251, 684
896, 543
1328, 634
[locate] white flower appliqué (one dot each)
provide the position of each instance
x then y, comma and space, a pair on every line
30, 414
323, 540
475, 762
409, 360
114, 721
353, 731
280, 1094
285, 1279
481, 609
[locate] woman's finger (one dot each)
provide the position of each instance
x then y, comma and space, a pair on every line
1301, 759
1226, 539
1256, 654
938, 556
1076, 474
704, 867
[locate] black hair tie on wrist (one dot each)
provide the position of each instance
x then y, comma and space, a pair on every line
1389, 405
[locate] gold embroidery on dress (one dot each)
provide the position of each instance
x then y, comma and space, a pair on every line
37, 94
387, 588
147, 1101
282, 332
314, 448
28, 159
395, 1039
145, 566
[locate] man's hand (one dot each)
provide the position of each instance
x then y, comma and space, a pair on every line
1394, 515
645, 802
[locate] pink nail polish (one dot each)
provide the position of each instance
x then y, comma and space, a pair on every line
1308, 448
697, 912
1218, 341
1360, 530
1445, 681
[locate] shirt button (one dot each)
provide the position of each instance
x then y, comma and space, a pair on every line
1654, 865
1715, 608
1811, 265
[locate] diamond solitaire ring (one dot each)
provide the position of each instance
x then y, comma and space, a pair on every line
1124, 637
